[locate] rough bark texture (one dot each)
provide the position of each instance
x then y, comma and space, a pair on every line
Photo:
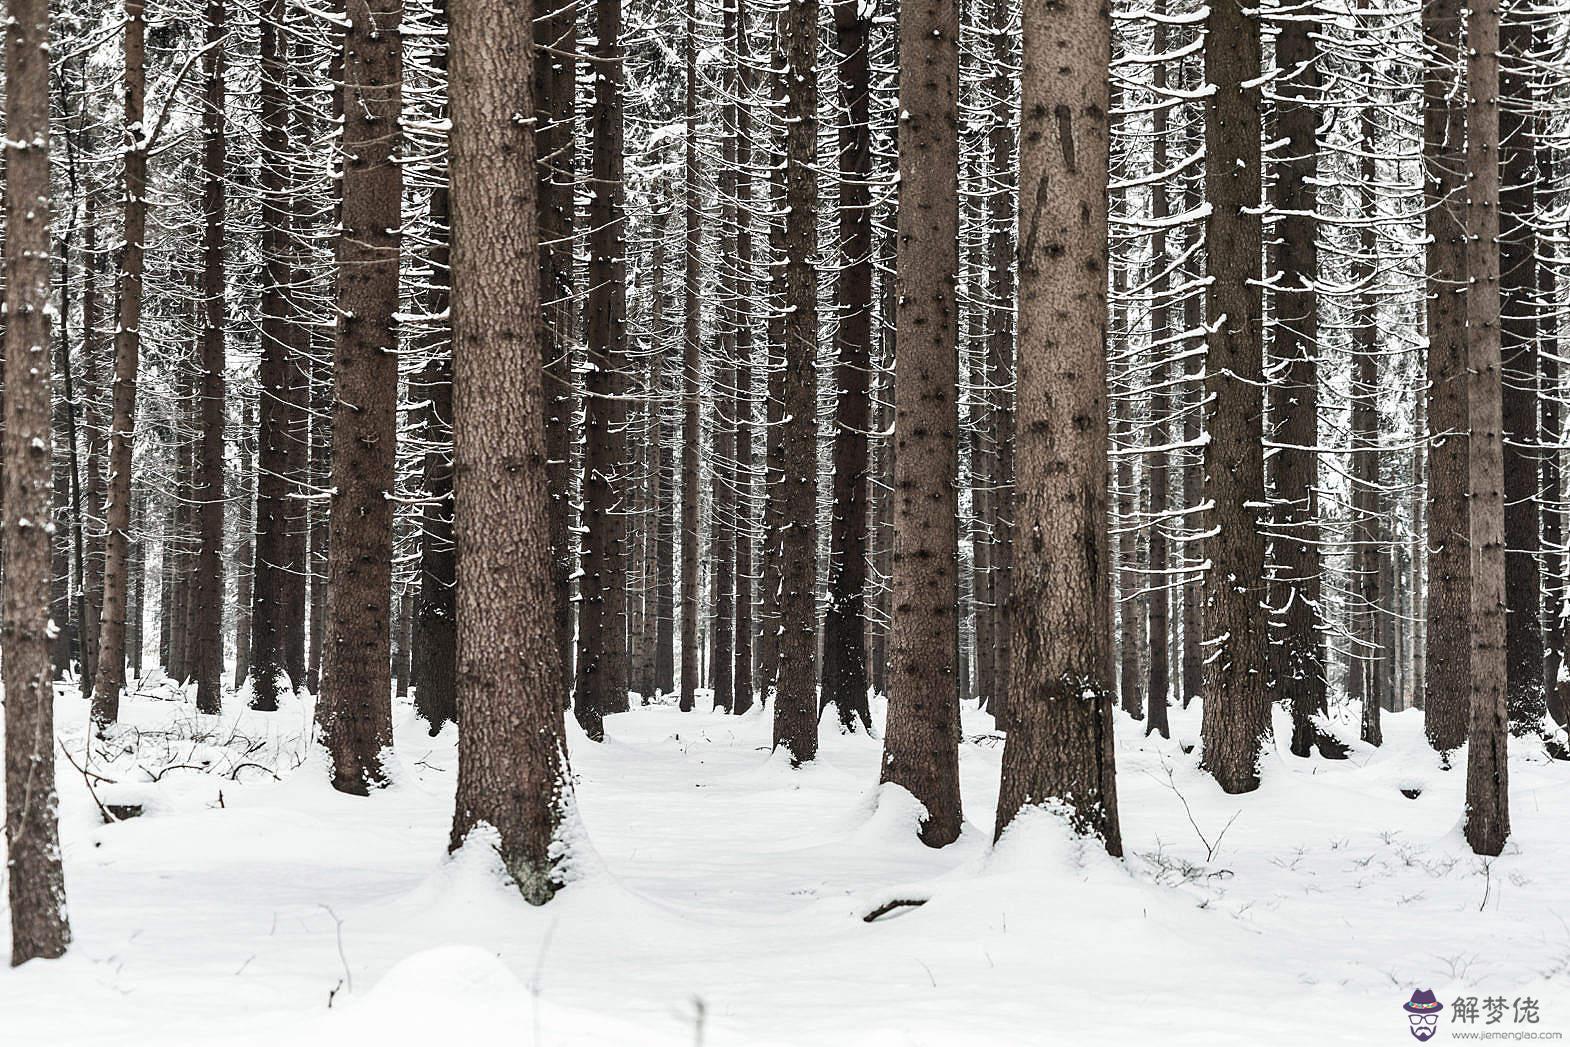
435, 697
742, 132
512, 764
355, 707
1236, 717
796, 704
920, 745
602, 584
206, 664
35, 882
692, 275
1300, 654
278, 320
109, 680
1487, 768
1059, 746
555, 77
845, 621
1447, 690
1518, 347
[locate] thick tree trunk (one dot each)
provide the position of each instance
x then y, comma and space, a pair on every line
109, 680
1236, 720
845, 621
208, 583
512, 761
1487, 766
35, 882
1300, 654
355, 708
602, 612
1059, 745
1447, 659
796, 703
920, 745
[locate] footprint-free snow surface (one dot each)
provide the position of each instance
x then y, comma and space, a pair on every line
719, 898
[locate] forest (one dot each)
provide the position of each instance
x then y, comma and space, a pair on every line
785, 521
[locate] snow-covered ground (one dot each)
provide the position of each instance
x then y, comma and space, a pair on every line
721, 901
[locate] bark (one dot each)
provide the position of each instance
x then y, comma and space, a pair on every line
245, 552
1300, 654
208, 583
35, 882
109, 680
1447, 659
555, 73
602, 668
512, 764
920, 745
1236, 719
1487, 767
796, 703
355, 708
742, 673
271, 556
691, 375
1525, 695
1059, 746
845, 621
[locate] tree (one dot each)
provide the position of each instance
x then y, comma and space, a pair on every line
109, 680
921, 739
1487, 767
1059, 745
796, 703
512, 766
845, 621
1236, 715
1448, 684
692, 279
207, 593
354, 709
35, 881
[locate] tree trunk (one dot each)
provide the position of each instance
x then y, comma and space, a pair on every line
796, 704
208, 583
110, 678
512, 760
1487, 767
602, 611
920, 745
690, 369
1236, 720
1059, 745
355, 708
35, 881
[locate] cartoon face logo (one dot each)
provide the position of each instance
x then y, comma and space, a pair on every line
1423, 1014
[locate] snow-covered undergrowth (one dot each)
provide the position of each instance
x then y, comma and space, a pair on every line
724, 898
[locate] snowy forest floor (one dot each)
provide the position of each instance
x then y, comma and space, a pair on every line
721, 898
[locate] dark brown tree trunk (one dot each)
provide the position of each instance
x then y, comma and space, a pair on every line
512, 761
796, 702
845, 621
1059, 745
555, 77
1518, 337
742, 676
246, 550
35, 881
692, 275
1487, 765
355, 709
1448, 689
1158, 594
435, 699
602, 669
1236, 719
208, 582
920, 744
1300, 652
278, 320
110, 670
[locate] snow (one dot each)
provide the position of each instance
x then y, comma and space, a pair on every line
721, 896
